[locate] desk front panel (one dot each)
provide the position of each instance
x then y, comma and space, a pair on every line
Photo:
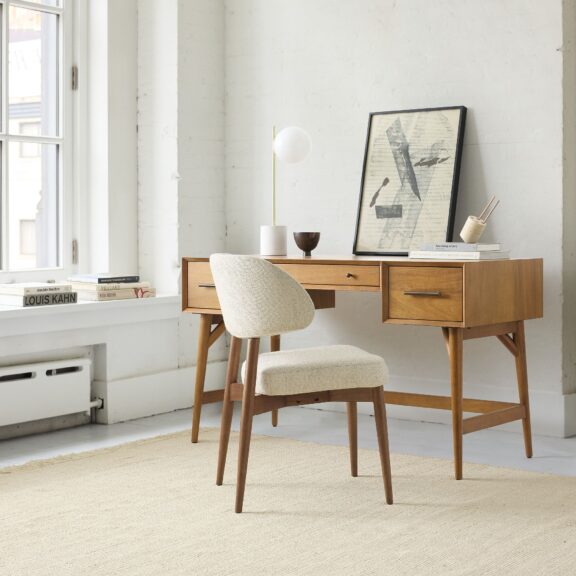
462, 294
425, 293
434, 293
340, 276
199, 292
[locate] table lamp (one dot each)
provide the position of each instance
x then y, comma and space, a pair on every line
291, 145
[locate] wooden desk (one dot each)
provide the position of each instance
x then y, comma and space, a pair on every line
467, 299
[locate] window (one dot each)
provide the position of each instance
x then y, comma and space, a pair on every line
27, 238
35, 121
30, 149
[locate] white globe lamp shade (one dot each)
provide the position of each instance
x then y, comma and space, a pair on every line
292, 145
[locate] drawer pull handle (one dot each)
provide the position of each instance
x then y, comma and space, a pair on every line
206, 285
350, 275
422, 293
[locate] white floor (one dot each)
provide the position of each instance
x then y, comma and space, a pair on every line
553, 455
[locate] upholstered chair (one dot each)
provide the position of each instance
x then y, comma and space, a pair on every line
259, 299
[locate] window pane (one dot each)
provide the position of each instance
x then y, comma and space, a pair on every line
33, 207
29, 149
28, 237
33, 66
48, 2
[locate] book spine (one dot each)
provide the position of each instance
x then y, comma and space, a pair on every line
447, 246
117, 294
8, 290
460, 247
49, 299
95, 279
118, 279
45, 290
438, 255
92, 286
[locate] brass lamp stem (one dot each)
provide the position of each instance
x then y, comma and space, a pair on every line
273, 177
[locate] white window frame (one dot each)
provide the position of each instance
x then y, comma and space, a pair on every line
68, 159
23, 153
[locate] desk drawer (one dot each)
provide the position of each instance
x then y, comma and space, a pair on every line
334, 275
201, 291
425, 293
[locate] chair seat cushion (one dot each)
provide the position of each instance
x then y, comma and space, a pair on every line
316, 369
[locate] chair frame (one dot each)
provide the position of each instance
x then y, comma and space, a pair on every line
253, 404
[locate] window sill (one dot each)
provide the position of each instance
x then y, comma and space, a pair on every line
34, 320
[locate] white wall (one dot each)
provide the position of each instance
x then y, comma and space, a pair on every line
202, 220
158, 143
324, 65
215, 75
147, 64
109, 86
134, 345
569, 245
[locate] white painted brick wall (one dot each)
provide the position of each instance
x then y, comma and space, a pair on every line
202, 221
324, 65
158, 143
181, 144
201, 126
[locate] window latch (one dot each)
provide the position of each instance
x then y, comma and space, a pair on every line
74, 251
74, 77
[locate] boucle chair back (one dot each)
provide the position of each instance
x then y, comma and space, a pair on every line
257, 298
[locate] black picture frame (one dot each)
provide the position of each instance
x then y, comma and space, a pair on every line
409, 180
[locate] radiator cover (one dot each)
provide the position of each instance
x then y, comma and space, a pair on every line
44, 390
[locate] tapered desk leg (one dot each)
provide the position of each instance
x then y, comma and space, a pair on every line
274, 347
522, 377
352, 409
455, 341
201, 361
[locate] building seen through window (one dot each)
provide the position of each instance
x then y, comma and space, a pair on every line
32, 139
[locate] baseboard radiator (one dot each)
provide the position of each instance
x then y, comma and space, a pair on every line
42, 390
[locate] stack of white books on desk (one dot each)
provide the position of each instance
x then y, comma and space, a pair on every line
460, 251
29, 294
104, 287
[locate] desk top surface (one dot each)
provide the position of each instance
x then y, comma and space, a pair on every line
368, 260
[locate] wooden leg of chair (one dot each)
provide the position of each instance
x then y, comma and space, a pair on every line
228, 406
382, 433
201, 361
246, 420
455, 347
274, 347
353, 436
522, 377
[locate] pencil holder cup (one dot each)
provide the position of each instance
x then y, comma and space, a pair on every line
472, 230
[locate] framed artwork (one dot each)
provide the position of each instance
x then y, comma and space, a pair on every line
409, 180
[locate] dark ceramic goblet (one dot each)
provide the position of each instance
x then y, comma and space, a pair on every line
306, 241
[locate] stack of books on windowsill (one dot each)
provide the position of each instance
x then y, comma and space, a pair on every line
105, 287
460, 251
29, 294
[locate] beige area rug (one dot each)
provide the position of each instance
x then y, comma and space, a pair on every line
152, 508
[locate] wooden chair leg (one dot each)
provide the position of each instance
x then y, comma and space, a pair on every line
201, 361
274, 347
455, 342
382, 433
246, 420
522, 377
353, 436
228, 406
